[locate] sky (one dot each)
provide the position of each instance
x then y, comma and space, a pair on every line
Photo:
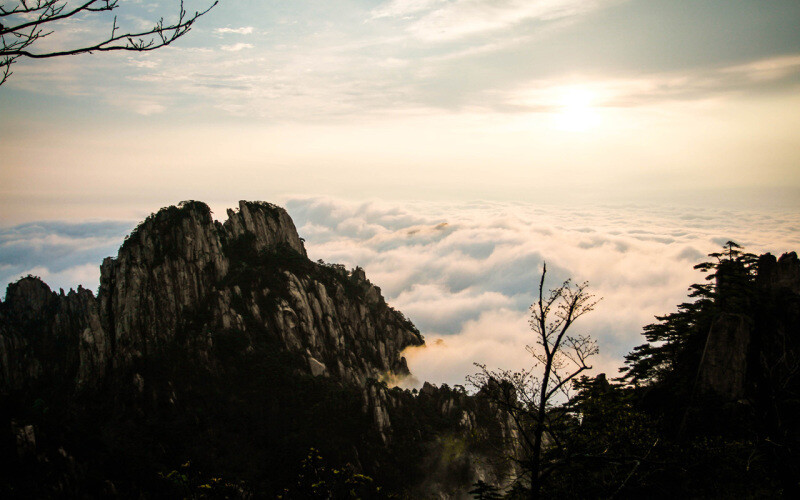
619, 140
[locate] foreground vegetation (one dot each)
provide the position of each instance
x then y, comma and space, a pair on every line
706, 408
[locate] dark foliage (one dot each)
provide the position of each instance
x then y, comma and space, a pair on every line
664, 429
723, 447
675, 343
483, 491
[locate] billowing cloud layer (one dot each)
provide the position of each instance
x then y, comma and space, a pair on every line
466, 273
64, 254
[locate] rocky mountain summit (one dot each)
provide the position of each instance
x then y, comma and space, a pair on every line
228, 333
182, 277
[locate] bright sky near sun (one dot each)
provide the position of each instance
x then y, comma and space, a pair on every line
548, 100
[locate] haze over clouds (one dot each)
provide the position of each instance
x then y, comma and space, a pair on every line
465, 273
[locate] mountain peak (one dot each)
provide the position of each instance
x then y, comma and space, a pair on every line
183, 280
270, 224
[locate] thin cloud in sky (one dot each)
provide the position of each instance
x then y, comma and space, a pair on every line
547, 95
148, 108
610, 96
772, 68
403, 8
244, 30
236, 47
437, 20
149, 63
333, 67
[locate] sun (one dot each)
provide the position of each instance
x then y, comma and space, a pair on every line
576, 110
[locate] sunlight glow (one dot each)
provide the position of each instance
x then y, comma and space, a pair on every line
576, 112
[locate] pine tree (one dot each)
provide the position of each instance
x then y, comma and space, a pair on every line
677, 338
484, 491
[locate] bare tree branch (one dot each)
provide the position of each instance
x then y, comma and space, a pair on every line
561, 357
29, 22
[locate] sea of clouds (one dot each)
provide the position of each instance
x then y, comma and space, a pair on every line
64, 254
466, 273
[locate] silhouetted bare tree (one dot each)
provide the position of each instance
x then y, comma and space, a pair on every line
528, 395
24, 23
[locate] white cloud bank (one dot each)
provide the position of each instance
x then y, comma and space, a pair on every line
465, 274
63, 254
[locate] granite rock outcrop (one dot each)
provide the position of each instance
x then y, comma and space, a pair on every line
182, 277
759, 340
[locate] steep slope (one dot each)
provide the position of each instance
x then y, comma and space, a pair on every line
224, 346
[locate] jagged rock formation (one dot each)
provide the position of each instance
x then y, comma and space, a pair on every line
775, 275
762, 338
474, 440
198, 323
181, 276
50, 338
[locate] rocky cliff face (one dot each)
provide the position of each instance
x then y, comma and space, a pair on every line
775, 275
199, 323
760, 341
724, 363
181, 277
50, 338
